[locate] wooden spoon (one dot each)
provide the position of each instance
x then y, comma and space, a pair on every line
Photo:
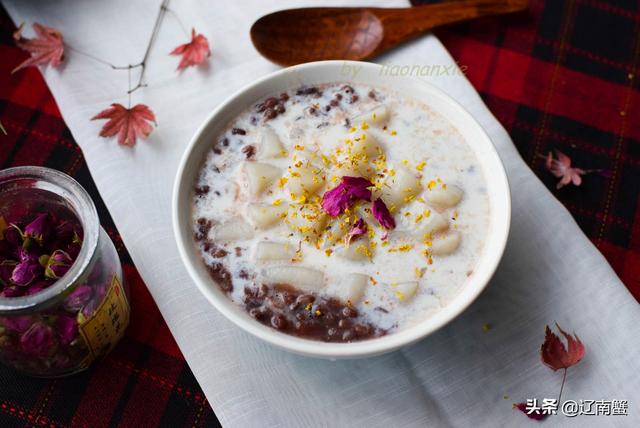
295, 36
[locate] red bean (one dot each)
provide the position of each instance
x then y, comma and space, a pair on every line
279, 322
202, 190
218, 252
344, 323
270, 114
349, 312
361, 330
249, 151
287, 310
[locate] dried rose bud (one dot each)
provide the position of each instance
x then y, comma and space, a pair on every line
98, 295
88, 310
101, 290
18, 324
38, 341
382, 214
37, 287
12, 292
58, 264
78, 298
27, 268
25, 272
27, 255
39, 229
66, 328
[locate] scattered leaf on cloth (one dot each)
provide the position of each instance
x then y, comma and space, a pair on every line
127, 123
561, 168
536, 414
555, 355
46, 48
194, 52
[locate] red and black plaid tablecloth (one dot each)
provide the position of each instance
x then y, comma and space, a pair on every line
563, 76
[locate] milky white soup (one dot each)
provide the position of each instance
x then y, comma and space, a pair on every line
318, 262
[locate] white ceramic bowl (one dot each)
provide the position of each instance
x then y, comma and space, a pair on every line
324, 72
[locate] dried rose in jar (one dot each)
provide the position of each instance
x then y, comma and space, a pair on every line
63, 303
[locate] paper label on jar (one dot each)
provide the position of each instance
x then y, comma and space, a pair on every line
106, 327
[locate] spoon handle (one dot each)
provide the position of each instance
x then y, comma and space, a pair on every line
403, 24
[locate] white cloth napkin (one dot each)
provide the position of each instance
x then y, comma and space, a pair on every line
458, 376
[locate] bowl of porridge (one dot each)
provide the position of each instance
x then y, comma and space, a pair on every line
340, 216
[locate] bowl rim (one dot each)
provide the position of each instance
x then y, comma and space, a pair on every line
314, 348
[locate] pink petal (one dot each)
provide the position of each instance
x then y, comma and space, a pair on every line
359, 228
341, 197
382, 214
336, 200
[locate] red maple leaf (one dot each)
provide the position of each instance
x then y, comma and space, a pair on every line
46, 48
194, 52
127, 123
562, 169
555, 355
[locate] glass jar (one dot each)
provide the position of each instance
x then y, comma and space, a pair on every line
76, 317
